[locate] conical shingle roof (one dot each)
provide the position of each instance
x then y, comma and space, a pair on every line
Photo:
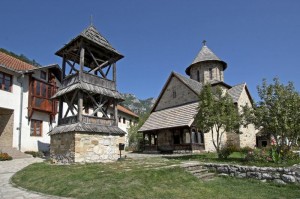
204, 55
92, 34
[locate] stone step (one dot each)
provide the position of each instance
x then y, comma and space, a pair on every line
199, 171
14, 153
192, 167
205, 176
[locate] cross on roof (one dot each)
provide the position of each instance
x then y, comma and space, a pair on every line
204, 42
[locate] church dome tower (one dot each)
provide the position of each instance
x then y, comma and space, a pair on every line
206, 67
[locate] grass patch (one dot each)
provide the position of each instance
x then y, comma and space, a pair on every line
142, 178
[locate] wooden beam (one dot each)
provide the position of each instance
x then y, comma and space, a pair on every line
116, 113
115, 74
98, 67
80, 106
82, 51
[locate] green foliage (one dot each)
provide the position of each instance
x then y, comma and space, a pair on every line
278, 113
21, 57
217, 114
35, 153
227, 150
135, 138
5, 156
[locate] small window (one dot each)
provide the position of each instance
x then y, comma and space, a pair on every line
111, 115
119, 119
130, 122
124, 120
5, 82
174, 94
210, 73
36, 128
198, 76
43, 75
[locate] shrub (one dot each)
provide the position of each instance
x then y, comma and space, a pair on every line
35, 153
227, 150
5, 156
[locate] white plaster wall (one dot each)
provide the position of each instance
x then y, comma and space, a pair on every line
11, 100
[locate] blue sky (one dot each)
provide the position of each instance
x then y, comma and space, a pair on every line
258, 39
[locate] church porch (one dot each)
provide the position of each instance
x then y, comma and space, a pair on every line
174, 140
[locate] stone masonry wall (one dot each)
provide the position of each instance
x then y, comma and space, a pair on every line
279, 175
6, 127
203, 68
248, 136
62, 148
97, 147
183, 95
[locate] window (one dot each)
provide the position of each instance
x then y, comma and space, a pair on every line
5, 82
36, 128
198, 76
119, 119
174, 94
130, 122
210, 73
43, 75
124, 120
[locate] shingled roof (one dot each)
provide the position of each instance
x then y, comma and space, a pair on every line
92, 128
236, 91
93, 35
14, 64
204, 55
171, 117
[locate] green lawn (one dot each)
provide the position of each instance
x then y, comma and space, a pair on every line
143, 178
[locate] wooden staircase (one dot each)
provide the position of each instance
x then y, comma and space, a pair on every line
14, 153
198, 171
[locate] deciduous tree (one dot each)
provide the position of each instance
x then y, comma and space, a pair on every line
217, 114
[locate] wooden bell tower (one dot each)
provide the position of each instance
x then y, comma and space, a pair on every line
88, 86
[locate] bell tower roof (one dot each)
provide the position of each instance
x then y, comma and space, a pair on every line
205, 55
90, 37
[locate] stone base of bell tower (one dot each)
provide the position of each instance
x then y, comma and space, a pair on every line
81, 147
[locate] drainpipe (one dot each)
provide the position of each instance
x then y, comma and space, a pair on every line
20, 80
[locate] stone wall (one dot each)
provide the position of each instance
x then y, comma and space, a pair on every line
84, 147
62, 148
6, 127
278, 175
248, 136
184, 95
203, 68
97, 147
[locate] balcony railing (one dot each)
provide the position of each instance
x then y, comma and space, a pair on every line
90, 79
88, 120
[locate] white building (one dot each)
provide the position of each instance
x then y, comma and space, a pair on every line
26, 111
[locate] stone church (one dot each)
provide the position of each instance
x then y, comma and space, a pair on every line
171, 127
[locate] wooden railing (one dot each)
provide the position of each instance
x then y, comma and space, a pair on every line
90, 79
88, 120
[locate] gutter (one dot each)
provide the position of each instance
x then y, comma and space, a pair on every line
20, 80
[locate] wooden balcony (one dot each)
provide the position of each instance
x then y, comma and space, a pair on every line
39, 97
